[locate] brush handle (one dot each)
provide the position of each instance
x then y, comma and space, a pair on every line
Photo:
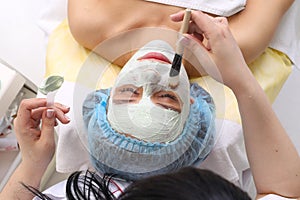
186, 21
183, 29
176, 64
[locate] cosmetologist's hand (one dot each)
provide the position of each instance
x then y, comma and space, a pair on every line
213, 36
34, 127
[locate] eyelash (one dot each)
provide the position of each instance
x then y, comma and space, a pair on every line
132, 90
169, 96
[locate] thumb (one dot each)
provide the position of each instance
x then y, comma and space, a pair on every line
48, 123
176, 17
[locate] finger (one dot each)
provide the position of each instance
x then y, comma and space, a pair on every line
25, 108
36, 123
177, 17
60, 115
32, 103
193, 28
205, 23
60, 111
194, 40
62, 107
198, 36
221, 20
37, 113
34, 133
195, 31
48, 123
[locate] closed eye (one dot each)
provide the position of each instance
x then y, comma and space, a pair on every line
129, 89
167, 100
127, 94
167, 95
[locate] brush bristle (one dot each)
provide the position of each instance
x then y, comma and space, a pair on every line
173, 81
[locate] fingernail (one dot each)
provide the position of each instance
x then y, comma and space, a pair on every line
68, 118
67, 107
50, 113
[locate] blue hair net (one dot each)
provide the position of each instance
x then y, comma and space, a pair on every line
132, 159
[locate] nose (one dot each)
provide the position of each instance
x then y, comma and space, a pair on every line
150, 76
150, 79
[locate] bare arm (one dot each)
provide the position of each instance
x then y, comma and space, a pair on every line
273, 158
254, 27
27, 174
87, 22
274, 161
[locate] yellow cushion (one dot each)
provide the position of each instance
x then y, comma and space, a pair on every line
66, 57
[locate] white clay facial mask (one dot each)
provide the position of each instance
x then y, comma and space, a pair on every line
142, 104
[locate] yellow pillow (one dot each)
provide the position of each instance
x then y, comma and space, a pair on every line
66, 57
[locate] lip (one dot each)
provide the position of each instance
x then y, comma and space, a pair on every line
155, 56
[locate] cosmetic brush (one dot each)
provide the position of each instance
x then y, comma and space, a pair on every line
176, 64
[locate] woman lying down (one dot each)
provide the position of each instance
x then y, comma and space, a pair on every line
159, 161
142, 126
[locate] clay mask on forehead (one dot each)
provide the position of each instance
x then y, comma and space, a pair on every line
144, 119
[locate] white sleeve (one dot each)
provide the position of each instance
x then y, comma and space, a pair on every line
274, 197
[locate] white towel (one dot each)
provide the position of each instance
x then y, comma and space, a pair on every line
51, 15
228, 157
287, 36
217, 7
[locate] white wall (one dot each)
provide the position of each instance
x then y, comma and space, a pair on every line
21, 41
287, 107
22, 45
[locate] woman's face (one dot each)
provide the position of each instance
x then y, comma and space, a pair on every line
130, 93
142, 103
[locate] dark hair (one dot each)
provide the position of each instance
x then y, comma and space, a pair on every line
88, 186
188, 183
82, 186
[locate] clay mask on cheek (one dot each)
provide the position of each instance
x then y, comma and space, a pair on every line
145, 120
